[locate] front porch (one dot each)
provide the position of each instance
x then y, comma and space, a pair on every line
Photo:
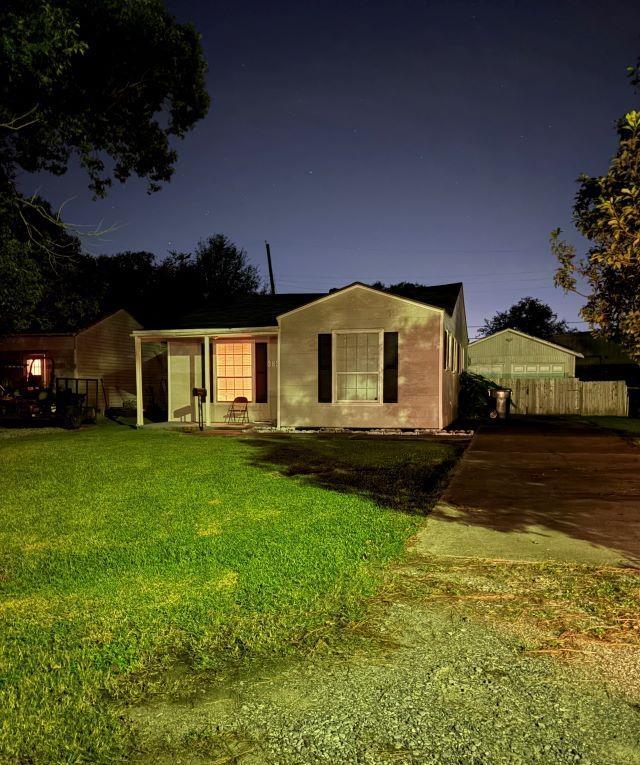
225, 363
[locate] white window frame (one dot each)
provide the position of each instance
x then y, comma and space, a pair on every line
451, 351
214, 365
446, 349
334, 370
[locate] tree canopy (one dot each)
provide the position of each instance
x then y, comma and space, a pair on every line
80, 288
157, 292
111, 83
607, 212
38, 291
528, 315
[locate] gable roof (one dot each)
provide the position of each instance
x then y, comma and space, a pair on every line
442, 297
264, 310
72, 332
529, 337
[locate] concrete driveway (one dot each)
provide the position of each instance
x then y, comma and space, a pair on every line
541, 489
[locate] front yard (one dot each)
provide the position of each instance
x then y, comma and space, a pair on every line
128, 554
185, 599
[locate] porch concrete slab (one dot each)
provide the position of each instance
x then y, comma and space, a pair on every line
541, 489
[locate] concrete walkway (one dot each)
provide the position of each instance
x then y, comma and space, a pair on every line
541, 489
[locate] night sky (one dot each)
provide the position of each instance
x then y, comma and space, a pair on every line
418, 141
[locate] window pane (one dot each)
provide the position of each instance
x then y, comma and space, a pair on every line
234, 373
357, 366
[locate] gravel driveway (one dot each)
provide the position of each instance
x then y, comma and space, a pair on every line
419, 685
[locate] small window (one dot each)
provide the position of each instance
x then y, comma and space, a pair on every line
36, 371
234, 373
357, 366
450, 352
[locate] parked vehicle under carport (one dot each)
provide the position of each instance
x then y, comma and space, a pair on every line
38, 406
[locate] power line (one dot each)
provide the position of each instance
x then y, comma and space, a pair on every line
477, 326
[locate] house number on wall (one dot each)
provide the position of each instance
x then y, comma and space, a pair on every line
272, 363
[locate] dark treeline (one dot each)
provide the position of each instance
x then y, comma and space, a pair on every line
70, 291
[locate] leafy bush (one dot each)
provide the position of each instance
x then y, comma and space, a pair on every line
474, 395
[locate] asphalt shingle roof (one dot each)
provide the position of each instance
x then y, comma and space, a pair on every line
248, 311
263, 310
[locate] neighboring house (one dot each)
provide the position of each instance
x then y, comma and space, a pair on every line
101, 351
357, 357
601, 359
511, 353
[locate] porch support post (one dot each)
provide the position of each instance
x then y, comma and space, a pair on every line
139, 401
207, 380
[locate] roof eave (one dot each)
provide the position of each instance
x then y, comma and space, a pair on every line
201, 331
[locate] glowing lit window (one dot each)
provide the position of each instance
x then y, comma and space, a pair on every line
34, 367
358, 366
234, 374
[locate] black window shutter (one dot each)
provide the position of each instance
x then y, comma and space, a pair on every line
390, 382
262, 395
324, 369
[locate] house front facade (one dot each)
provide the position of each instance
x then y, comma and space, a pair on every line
357, 357
514, 354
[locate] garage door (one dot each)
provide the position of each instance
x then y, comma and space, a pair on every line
537, 370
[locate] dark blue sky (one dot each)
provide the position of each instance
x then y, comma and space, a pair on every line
419, 141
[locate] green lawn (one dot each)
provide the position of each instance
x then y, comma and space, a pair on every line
628, 426
125, 552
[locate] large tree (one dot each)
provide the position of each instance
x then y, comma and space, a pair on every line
216, 272
528, 315
109, 82
607, 212
158, 292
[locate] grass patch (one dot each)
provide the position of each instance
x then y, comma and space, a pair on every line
125, 552
626, 426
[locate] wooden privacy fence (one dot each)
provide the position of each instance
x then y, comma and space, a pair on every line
567, 396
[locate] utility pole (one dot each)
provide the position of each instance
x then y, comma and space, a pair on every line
273, 284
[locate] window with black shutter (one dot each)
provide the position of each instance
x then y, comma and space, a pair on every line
390, 379
262, 392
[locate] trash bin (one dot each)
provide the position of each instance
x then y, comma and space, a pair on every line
501, 403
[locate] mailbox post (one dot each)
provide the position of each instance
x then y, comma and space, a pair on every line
201, 395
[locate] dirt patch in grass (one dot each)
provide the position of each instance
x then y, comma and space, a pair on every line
573, 612
448, 666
